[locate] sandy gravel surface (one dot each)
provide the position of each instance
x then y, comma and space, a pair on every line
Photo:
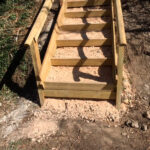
80, 74
83, 52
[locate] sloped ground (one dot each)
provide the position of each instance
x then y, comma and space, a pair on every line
86, 125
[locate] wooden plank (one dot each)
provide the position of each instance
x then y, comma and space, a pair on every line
36, 60
80, 94
81, 3
93, 42
120, 75
39, 23
79, 62
49, 53
37, 66
61, 15
41, 96
52, 44
78, 86
120, 23
114, 41
81, 14
86, 27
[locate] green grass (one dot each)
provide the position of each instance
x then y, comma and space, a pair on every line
15, 17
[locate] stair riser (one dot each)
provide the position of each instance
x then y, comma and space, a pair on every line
80, 94
69, 43
88, 3
87, 14
87, 27
79, 62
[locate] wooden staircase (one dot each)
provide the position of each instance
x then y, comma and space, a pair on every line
84, 58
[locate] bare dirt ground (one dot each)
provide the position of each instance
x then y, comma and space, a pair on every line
85, 125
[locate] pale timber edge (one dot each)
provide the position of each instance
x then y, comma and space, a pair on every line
120, 23
80, 14
79, 62
39, 22
80, 94
82, 3
78, 86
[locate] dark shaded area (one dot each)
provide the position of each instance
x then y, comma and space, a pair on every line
137, 24
29, 91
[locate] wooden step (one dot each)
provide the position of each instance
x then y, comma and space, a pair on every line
87, 24
98, 95
94, 38
80, 82
80, 74
87, 12
82, 56
81, 3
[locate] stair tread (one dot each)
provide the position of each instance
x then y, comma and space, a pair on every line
92, 20
64, 35
96, 8
80, 74
83, 52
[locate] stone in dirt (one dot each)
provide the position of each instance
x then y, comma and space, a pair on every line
124, 134
133, 124
144, 127
147, 114
126, 101
128, 123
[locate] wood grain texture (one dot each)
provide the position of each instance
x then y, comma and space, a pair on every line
49, 53
81, 62
120, 23
120, 75
86, 27
80, 94
36, 60
37, 67
85, 43
61, 15
81, 3
114, 42
52, 44
39, 23
87, 14
78, 86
